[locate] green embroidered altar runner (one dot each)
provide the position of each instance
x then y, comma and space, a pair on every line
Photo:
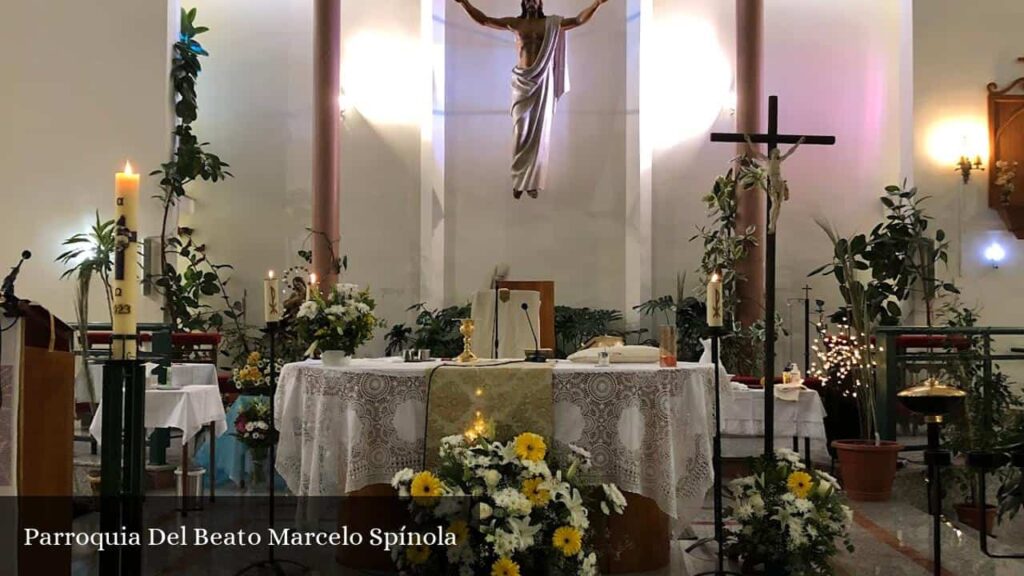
514, 398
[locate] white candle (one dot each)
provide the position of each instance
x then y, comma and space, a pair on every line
126, 267
271, 298
311, 286
716, 308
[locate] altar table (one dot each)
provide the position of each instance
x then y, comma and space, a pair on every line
648, 428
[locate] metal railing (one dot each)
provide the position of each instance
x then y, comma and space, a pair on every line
892, 376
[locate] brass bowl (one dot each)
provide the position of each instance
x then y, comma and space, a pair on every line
932, 398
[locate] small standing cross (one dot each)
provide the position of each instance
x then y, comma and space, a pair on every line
772, 139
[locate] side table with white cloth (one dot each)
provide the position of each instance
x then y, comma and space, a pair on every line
190, 408
802, 419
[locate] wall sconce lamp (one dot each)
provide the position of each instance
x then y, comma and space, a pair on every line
995, 254
965, 166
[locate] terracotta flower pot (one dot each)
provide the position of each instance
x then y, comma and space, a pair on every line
867, 470
971, 515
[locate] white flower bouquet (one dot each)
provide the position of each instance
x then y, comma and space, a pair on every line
510, 509
785, 514
342, 320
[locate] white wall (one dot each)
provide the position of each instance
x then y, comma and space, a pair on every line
256, 109
836, 66
836, 69
85, 89
574, 234
950, 102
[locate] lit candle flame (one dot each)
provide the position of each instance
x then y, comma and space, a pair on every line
312, 278
128, 168
270, 275
715, 277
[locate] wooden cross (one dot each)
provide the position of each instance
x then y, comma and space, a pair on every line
772, 139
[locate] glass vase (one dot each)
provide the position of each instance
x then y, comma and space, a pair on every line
667, 342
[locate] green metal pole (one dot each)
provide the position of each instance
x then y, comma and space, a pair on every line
110, 463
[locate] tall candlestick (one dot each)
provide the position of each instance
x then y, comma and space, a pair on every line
271, 298
716, 307
126, 268
311, 287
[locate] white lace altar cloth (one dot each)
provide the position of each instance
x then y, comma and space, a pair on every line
649, 429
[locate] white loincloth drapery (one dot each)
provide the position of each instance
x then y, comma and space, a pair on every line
535, 91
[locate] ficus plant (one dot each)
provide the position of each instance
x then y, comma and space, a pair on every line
198, 278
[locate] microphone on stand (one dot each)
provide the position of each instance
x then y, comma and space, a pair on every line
7, 298
535, 356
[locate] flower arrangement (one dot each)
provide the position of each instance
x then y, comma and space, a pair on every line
511, 510
252, 428
255, 375
785, 514
343, 320
1006, 175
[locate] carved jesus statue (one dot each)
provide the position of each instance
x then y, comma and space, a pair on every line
538, 81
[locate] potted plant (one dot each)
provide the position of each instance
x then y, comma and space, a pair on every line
686, 313
985, 423
338, 323
787, 518
868, 464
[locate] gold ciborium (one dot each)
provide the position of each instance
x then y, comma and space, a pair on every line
466, 328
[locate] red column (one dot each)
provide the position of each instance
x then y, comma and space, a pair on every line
749, 88
326, 130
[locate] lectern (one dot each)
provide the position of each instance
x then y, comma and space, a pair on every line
37, 373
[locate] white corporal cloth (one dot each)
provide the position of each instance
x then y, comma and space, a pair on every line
181, 375
514, 334
535, 91
743, 416
648, 429
188, 409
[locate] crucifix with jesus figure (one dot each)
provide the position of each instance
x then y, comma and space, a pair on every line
777, 192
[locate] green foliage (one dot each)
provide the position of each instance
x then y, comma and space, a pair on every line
900, 254
723, 247
987, 420
902, 251
687, 313
1011, 491
877, 271
188, 292
184, 290
434, 330
91, 254
338, 263
575, 326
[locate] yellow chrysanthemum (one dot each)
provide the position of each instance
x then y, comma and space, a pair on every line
254, 358
505, 567
800, 484
538, 496
426, 488
417, 554
461, 531
530, 446
568, 540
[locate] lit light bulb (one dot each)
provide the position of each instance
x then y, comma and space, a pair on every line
995, 254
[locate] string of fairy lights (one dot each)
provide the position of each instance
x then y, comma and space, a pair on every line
844, 356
